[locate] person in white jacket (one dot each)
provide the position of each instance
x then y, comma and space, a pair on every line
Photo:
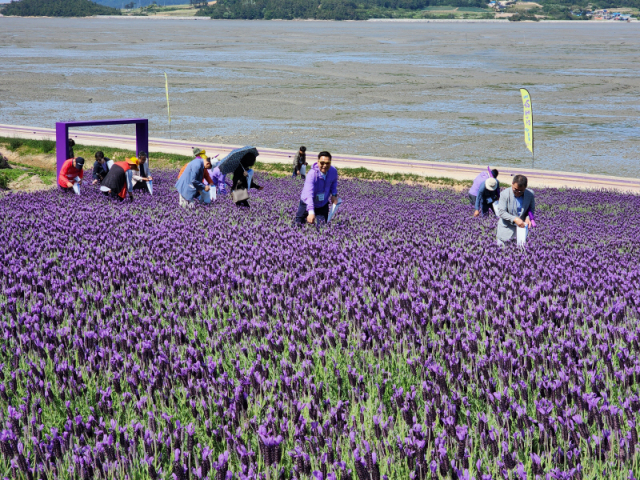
141, 178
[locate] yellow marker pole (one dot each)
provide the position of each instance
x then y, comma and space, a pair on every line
166, 87
528, 121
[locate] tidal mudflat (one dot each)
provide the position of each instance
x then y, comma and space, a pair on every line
440, 92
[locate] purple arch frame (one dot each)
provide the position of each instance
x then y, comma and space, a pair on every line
62, 135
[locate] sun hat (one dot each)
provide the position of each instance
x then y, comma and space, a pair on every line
491, 184
132, 161
197, 151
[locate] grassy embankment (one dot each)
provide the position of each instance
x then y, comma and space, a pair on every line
46, 167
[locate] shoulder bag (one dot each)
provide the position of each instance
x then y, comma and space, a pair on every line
240, 194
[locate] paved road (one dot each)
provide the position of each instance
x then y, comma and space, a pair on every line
391, 165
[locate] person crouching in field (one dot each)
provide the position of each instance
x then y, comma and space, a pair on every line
514, 209
141, 179
118, 182
189, 185
488, 194
100, 167
205, 197
320, 188
71, 175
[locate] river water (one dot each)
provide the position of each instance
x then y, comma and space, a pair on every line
433, 91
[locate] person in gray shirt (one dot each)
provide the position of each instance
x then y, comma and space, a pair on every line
514, 207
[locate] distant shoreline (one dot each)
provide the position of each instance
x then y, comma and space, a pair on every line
390, 20
492, 20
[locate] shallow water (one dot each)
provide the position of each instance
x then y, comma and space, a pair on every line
441, 92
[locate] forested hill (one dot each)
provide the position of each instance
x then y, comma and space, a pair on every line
141, 3
57, 8
320, 9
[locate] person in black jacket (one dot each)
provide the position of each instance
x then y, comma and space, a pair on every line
70, 145
100, 167
300, 161
243, 175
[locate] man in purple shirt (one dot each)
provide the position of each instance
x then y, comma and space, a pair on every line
480, 179
320, 188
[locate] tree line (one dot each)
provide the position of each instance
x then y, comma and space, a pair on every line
320, 9
57, 8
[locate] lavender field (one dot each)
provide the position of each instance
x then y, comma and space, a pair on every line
140, 340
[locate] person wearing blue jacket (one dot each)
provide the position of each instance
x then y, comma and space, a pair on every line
190, 186
488, 194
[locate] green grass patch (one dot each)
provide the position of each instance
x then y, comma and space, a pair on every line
28, 145
10, 175
435, 8
33, 147
170, 161
284, 169
473, 9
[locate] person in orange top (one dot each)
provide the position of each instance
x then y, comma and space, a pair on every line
118, 181
71, 174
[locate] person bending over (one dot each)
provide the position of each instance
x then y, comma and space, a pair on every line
488, 194
514, 207
478, 181
242, 179
320, 188
219, 180
100, 167
71, 175
118, 182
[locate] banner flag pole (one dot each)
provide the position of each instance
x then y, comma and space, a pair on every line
166, 87
528, 122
